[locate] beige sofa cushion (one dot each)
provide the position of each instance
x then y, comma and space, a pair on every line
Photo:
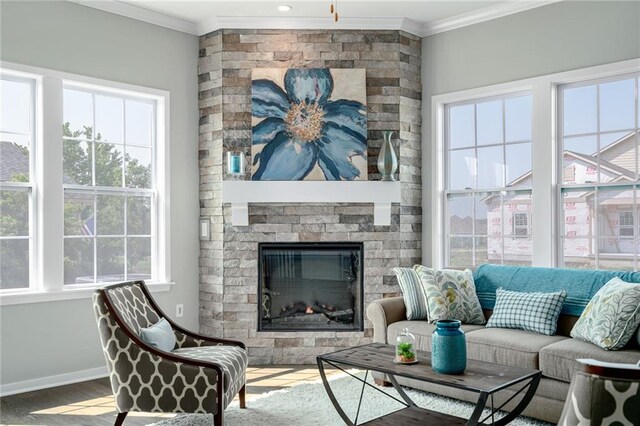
517, 348
422, 330
557, 360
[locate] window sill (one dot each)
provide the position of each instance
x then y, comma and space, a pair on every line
70, 294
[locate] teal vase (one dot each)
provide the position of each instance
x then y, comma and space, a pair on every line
448, 348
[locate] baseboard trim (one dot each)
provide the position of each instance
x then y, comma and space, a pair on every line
53, 381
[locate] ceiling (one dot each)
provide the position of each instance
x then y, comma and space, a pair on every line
421, 17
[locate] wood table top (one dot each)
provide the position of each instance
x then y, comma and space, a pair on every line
478, 377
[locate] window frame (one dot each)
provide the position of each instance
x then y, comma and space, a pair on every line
48, 272
545, 210
597, 239
95, 190
474, 192
31, 187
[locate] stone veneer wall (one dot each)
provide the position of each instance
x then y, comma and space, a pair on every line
228, 263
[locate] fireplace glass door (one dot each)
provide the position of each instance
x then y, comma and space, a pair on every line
310, 286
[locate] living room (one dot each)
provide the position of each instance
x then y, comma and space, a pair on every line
298, 182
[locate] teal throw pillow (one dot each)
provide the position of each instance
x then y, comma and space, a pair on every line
537, 312
160, 335
415, 300
611, 317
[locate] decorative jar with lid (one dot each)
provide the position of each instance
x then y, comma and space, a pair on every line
406, 348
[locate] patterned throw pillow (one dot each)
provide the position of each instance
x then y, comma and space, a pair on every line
537, 312
611, 317
451, 294
412, 293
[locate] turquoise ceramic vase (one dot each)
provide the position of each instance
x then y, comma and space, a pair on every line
449, 348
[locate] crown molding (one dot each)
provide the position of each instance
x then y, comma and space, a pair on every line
310, 23
141, 14
206, 26
482, 15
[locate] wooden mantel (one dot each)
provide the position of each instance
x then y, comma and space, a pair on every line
381, 194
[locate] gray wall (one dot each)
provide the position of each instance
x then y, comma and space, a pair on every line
44, 339
550, 39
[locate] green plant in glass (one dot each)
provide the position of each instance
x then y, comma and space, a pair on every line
405, 352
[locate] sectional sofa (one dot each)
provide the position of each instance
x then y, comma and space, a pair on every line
553, 355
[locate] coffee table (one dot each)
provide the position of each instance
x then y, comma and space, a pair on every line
483, 378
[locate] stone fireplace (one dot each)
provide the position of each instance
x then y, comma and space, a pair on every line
230, 302
310, 286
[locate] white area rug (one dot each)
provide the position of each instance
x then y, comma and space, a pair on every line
308, 404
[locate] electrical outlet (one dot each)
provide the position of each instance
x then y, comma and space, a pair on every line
179, 310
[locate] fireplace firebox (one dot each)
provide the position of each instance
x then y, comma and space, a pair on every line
310, 286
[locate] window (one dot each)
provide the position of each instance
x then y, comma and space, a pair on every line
488, 180
520, 222
626, 226
572, 139
84, 184
16, 180
598, 130
108, 186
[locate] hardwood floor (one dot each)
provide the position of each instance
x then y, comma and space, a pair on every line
91, 403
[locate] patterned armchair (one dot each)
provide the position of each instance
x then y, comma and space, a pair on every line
603, 394
201, 374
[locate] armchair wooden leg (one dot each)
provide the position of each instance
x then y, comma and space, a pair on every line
242, 395
120, 419
218, 419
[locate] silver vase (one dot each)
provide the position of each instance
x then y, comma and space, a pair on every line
387, 160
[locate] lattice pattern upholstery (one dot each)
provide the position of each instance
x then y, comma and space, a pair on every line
185, 341
601, 401
133, 306
233, 360
144, 381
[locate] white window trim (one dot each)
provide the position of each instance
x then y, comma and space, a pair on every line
47, 233
544, 154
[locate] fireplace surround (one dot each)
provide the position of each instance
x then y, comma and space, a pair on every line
228, 260
310, 286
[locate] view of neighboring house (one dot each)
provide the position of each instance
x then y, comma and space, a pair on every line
591, 220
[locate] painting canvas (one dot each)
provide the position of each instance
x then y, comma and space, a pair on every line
309, 124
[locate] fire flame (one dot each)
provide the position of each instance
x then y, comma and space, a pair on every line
309, 310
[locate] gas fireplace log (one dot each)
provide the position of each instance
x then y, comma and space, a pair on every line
296, 308
345, 315
320, 309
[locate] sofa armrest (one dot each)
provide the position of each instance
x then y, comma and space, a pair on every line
383, 312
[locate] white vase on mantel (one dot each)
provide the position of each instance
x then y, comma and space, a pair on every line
387, 160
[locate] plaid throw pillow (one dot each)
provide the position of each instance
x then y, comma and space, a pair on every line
537, 312
413, 294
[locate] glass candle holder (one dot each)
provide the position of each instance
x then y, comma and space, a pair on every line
406, 348
235, 163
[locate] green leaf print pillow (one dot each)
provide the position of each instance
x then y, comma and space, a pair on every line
611, 317
451, 294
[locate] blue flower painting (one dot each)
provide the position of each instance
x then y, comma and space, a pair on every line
309, 124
